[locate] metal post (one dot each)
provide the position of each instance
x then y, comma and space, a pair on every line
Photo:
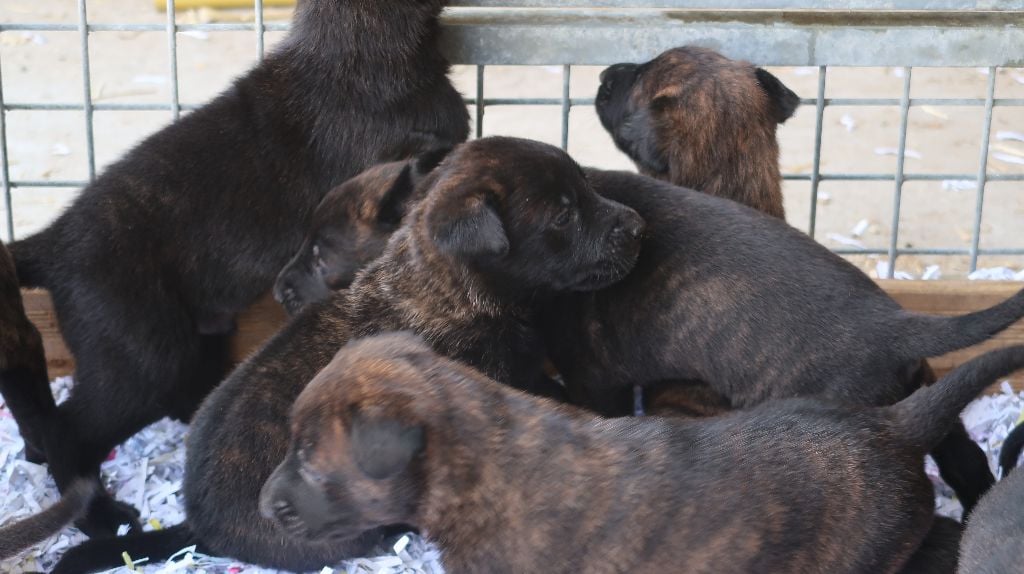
479, 101
172, 56
819, 106
986, 133
259, 29
5, 176
900, 157
83, 32
566, 105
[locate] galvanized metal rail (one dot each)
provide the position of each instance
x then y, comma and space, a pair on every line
819, 33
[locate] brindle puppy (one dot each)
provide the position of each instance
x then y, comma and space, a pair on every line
700, 120
994, 540
350, 228
150, 265
467, 270
391, 432
757, 310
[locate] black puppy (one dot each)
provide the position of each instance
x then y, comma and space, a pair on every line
504, 482
150, 265
467, 270
994, 540
350, 228
757, 310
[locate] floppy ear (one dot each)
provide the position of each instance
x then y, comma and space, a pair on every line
783, 100
392, 206
467, 224
428, 160
383, 447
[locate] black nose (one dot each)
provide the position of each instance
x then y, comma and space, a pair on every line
615, 69
630, 224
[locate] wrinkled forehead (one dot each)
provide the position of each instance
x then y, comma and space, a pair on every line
514, 166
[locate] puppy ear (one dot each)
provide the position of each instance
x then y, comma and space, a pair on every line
428, 160
468, 225
383, 447
783, 100
393, 204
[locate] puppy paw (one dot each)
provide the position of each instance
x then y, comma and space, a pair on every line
106, 516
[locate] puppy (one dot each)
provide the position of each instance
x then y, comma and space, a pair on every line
22, 375
504, 482
756, 310
150, 265
939, 552
504, 225
350, 228
1009, 454
700, 120
994, 540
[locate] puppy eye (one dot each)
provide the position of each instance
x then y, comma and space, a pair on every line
564, 217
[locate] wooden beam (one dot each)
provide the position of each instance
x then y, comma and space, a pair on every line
264, 318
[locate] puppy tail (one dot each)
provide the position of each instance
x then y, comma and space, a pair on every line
20, 535
1010, 453
106, 553
926, 417
921, 336
30, 257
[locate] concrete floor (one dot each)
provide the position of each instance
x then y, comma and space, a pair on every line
133, 67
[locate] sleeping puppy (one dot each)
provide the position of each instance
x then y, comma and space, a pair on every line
757, 310
152, 262
391, 432
697, 119
350, 228
467, 270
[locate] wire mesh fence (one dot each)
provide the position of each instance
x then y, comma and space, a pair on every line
574, 33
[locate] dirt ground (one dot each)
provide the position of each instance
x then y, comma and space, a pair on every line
133, 67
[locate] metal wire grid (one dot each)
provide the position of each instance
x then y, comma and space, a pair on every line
820, 102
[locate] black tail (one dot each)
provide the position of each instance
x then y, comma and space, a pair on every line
927, 416
106, 553
30, 255
922, 336
1010, 453
24, 533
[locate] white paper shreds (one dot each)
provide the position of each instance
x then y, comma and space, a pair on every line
147, 471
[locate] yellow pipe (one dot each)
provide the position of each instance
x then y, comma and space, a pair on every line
190, 4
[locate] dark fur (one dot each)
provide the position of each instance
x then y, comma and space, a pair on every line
994, 539
150, 265
19, 535
697, 119
350, 228
391, 433
467, 270
1009, 453
23, 381
939, 552
757, 310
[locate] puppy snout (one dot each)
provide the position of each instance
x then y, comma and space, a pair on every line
612, 72
630, 224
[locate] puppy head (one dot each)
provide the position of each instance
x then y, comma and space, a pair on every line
522, 216
688, 97
356, 458
350, 228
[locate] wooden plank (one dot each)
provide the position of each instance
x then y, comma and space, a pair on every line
934, 297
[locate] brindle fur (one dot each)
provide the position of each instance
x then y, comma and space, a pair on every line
757, 310
350, 228
700, 120
152, 262
467, 270
390, 432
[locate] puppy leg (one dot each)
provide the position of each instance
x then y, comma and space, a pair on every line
964, 467
213, 365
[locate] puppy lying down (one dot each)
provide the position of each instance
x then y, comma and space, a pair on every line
390, 432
